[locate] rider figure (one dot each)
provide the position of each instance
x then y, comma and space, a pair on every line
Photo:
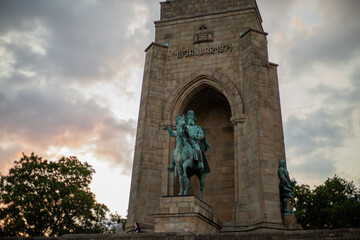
195, 134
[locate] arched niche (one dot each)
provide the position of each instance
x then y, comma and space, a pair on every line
214, 112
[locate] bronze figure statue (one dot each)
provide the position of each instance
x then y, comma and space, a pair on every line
286, 188
189, 155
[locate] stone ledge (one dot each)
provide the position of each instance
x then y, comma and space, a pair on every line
215, 12
153, 236
242, 34
163, 45
336, 234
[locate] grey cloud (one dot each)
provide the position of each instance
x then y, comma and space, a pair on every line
326, 46
333, 41
312, 141
83, 39
43, 113
270, 12
26, 59
116, 142
39, 118
349, 96
325, 128
17, 81
341, 98
318, 166
316, 138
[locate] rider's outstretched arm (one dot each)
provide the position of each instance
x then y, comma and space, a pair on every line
171, 132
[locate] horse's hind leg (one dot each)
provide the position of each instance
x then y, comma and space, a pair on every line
202, 183
181, 181
179, 173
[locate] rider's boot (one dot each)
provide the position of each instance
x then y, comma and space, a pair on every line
201, 166
171, 167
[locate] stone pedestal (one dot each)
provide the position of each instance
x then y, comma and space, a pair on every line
185, 214
290, 222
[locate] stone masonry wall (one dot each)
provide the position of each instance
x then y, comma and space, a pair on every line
188, 8
338, 234
259, 165
147, 168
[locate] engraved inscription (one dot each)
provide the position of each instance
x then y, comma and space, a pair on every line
204, 51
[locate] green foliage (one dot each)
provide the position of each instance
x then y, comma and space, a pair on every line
335, 204
45, 198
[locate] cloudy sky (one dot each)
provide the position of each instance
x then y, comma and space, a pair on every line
71, 74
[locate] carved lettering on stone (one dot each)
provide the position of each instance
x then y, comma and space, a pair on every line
204, 51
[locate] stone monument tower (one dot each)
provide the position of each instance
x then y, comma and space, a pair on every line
211, 56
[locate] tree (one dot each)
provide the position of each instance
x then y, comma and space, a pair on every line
46, 198
303, 204
334, 204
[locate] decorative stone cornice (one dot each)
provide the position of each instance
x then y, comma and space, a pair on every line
165, 123
237, 118
164, 45
242, 34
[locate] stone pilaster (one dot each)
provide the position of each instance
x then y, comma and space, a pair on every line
263, 134
145, 192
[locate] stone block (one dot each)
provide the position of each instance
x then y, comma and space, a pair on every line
198, 219
290, 222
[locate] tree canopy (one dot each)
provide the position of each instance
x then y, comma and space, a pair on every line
47, 198
334, 204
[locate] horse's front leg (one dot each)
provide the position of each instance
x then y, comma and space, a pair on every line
186, 178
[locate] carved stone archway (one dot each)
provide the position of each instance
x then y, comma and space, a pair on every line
195, 84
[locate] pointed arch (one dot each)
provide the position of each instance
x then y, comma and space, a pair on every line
217, 81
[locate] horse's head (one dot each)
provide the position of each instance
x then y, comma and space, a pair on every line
180, 124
